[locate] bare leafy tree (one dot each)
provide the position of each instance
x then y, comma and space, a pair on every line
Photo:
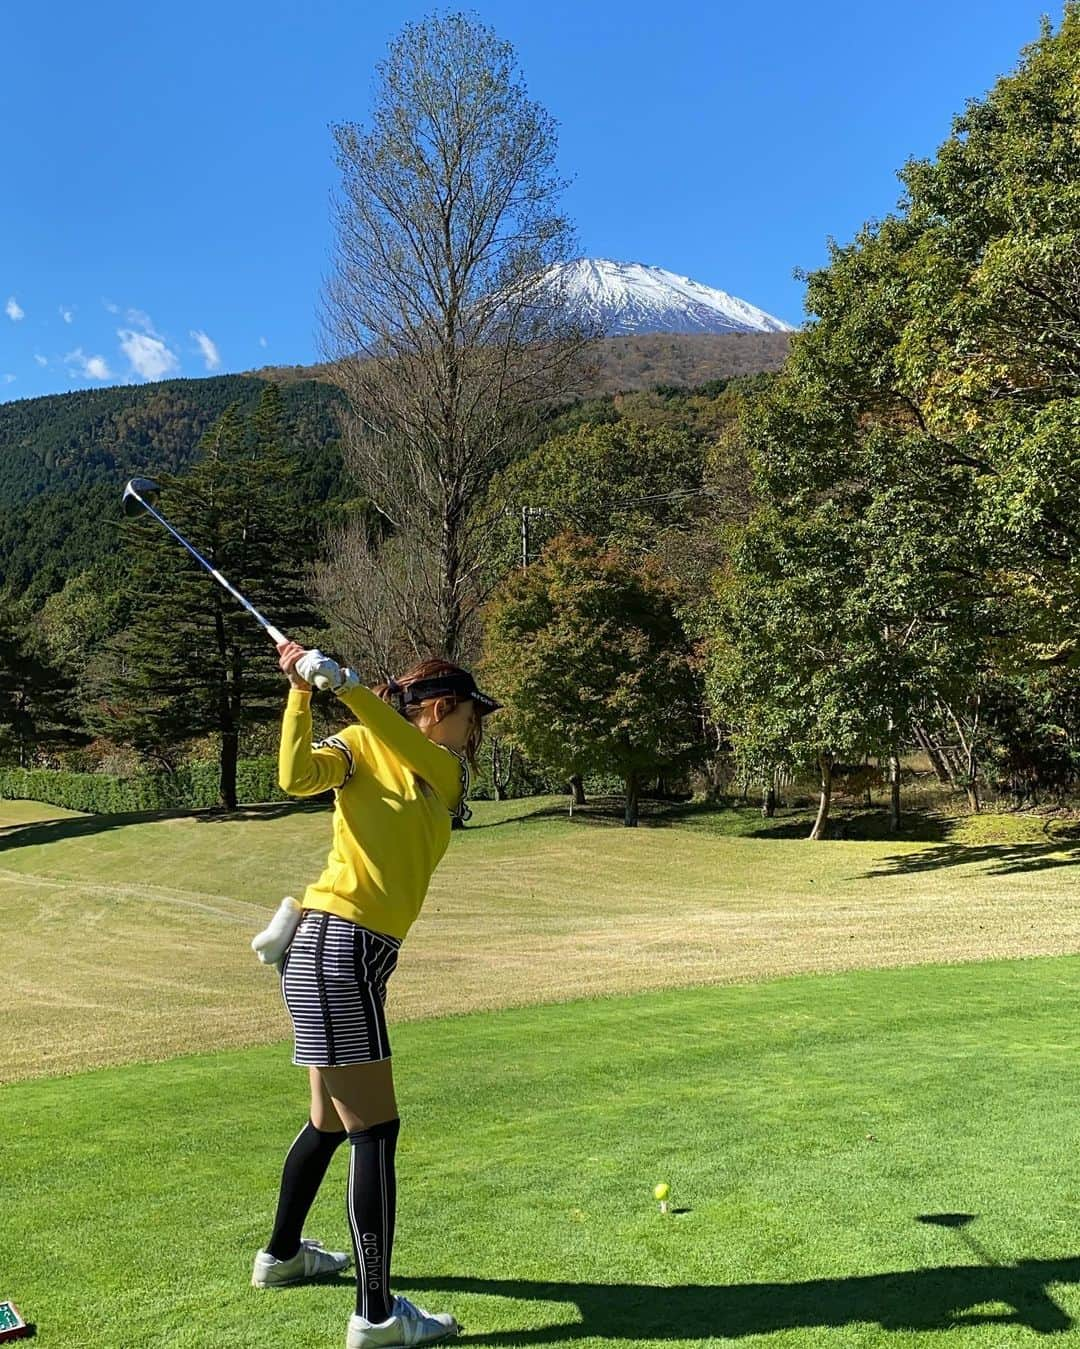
447, 322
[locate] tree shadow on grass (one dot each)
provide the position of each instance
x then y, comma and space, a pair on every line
81, 826
608, 812
860, 825
998, 859
943, 1298
737, 819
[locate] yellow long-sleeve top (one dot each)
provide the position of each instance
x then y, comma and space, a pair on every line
395, 791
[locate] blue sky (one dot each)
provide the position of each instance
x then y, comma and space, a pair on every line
166, 169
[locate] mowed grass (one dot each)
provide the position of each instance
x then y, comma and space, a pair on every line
804, 1126
126, 938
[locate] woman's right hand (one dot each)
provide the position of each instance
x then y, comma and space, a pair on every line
288, 654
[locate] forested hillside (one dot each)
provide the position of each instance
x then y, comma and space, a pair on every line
64, 459
76, 439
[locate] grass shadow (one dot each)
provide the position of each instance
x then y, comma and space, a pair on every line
734, 818
608, 812
860, 825
999, 859
81, 826
946, 1297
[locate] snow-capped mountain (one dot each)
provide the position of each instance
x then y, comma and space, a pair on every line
628, 297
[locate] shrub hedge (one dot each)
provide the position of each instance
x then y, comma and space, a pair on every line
192, 787
195, 786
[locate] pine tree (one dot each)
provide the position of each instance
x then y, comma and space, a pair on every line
192, 662
36, 699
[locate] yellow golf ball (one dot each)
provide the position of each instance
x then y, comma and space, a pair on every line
661, 1192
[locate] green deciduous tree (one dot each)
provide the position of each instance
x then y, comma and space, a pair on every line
921, 449
620, 482
587, 650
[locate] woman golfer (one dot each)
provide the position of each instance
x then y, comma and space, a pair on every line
399, 772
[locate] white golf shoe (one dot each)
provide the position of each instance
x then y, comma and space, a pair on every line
310, 1262
407, 1324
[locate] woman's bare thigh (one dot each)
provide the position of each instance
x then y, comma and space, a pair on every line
361, 1094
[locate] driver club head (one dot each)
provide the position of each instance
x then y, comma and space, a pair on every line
139, 492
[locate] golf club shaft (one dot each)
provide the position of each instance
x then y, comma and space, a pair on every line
276, 636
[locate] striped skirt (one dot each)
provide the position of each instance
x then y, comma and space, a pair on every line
334, 984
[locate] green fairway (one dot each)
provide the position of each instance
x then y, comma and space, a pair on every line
803, 1124
126, 937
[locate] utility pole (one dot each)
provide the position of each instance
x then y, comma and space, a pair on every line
526, 512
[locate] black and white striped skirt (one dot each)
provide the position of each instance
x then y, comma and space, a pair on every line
334, 985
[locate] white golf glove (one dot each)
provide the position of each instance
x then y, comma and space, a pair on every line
319, 670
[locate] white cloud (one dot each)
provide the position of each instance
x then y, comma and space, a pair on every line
263, 342
138, 318
41, 360
67, 313
149, 356
112, 308
89, 367
13, 311
209, 350
10, 379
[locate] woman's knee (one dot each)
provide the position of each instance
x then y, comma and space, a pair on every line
324, 1114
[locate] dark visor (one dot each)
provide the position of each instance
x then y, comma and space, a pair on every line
445, 686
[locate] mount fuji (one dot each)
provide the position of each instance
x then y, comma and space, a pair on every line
623, 298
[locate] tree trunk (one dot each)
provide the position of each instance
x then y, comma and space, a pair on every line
227, 722
630, 817
768, 801
968, 743
933, 753
894, 791
229, 753
577, 789
825, 764
500, 776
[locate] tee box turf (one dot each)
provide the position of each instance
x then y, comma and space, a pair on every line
12, 1326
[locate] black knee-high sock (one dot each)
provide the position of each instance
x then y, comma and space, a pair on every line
371, 1202
301, 1177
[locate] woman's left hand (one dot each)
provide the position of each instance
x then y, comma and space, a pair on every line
288, 654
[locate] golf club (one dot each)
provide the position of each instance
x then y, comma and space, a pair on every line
143, 492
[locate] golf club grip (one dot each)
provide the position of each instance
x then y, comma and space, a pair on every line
279, 639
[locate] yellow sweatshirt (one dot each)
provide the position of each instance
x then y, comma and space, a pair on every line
395, 791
